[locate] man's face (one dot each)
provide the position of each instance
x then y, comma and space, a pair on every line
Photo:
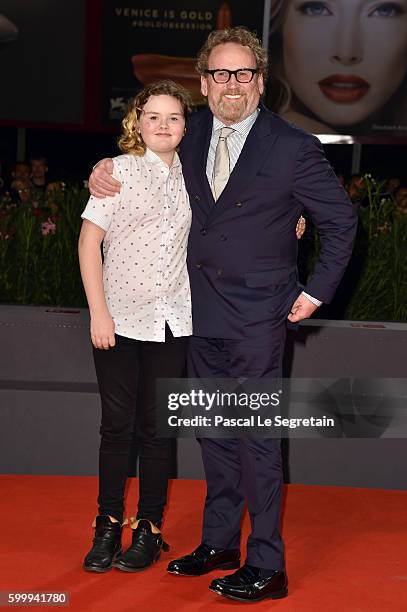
393, 184
38, 168
232, 102
21, 171
401, 200
22, 187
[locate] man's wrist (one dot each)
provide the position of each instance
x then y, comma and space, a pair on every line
312, 299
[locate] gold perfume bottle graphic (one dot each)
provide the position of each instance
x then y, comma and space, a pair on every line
224, 17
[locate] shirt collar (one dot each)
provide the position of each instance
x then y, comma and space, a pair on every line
153, 158
243, 127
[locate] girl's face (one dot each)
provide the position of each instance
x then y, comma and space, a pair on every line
162, 125
344, 59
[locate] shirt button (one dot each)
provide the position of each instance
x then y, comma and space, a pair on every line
204, 231
219, 271
238, 205
198, 265
197, 198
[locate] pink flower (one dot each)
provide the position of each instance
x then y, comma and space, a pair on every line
48, 227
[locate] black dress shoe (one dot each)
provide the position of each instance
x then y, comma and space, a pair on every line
106, 545
145, 549
248, 584
204, 559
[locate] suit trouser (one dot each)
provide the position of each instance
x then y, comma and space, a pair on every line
244, 469
127, 375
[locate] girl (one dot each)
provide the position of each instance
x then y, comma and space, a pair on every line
139, 303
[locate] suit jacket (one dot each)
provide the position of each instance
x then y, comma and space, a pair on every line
242, 251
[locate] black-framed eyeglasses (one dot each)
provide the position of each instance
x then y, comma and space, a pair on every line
242, 75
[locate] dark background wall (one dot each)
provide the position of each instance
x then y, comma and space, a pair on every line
55, 73
50, 410
43, 69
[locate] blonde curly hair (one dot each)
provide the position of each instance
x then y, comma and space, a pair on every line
130, 140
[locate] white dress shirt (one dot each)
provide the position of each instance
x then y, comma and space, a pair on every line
235, 143
145, 276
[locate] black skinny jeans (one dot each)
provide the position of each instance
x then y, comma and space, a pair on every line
127, 376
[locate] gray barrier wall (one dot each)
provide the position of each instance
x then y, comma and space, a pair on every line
49, 405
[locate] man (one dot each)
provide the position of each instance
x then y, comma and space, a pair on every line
20, 185
20, 170
242, 265
39, 169
401, 200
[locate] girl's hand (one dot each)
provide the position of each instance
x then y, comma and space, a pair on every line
102, 331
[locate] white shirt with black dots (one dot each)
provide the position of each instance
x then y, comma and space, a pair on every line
145, 275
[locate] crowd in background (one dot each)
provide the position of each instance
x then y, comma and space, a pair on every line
28, 185
41, 216
394, 188
29, 182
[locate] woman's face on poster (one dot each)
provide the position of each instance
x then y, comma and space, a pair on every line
344, 59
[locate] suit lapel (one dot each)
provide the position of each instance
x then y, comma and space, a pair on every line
256, 149
199, 153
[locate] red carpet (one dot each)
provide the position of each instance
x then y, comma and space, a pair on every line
346, 549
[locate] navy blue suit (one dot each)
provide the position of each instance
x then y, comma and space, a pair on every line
242, 259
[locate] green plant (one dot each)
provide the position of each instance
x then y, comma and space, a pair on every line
39, 263
381, 248
375, 283
38, 249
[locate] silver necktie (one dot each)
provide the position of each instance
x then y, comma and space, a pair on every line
221, 166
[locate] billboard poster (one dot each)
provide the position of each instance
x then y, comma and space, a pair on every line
144, 41
42, 50
340, 66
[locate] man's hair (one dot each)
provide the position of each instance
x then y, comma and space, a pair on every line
130, 140
40, 158
240, 36
19, 163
